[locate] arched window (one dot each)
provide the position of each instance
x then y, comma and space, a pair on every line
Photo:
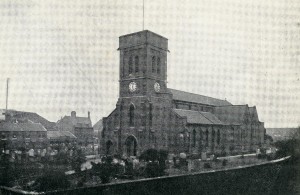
150, 114
213, 137
232, 131
218, 137
136, 62
153, 64
131, 116
206, 136
158, 65
130, 69
194, 138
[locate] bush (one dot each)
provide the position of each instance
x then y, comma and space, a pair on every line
207, 165
51, 180
224, 162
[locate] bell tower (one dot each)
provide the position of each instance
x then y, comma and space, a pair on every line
143, 64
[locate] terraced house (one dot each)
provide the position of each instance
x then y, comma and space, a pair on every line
150, 115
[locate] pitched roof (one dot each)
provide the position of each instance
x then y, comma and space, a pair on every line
253, 113
98, 126
234, 114
60, 135
195, 98
197, 117
31, 116
21, 126
77, 121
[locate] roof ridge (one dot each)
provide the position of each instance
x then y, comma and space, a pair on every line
199, 94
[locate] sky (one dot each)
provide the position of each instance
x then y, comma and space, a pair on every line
62, 55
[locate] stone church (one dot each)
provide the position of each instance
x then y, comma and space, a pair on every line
148, 114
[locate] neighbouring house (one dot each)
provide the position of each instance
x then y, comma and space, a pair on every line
22, 134
80, 127
34, 117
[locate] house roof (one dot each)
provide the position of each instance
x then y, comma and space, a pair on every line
99, 125
78, 121
199, 99
34, 117
60, 135
21, 126
197, 117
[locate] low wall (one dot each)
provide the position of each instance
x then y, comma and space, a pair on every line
258, 179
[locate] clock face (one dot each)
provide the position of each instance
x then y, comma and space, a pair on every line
132, 86
157, 87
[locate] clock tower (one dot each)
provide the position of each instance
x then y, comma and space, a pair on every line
143, 64
138, 122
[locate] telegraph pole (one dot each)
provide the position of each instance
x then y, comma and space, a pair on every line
7, 84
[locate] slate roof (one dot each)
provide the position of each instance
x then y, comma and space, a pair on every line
197, 117
34, 117
21, 126
199, 99
234, 114
78, 121
99, 125
60, 135
253, 113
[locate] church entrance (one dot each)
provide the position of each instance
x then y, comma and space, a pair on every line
130, 146
109, 147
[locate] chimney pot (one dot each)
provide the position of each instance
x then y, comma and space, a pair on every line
73, 114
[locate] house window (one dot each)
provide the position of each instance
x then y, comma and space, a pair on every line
136, 62
158, 65
130, 65
153, 64
131, 116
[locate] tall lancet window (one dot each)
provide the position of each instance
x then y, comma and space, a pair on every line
130, 68
194, 138
136, 62
153, 64
158, 65
218, 137
131, 115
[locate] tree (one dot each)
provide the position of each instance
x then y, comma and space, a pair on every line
156, 162
105, 170
51, 180
77, 159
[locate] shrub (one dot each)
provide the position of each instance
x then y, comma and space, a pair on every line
224, 162
51, 180
207, 165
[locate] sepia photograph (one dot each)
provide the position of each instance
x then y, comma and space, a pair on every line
150, 97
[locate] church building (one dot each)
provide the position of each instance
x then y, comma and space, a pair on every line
148, 114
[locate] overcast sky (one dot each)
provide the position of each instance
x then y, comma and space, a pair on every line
62, 55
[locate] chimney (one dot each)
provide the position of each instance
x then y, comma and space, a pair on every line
89, 114
73, 114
